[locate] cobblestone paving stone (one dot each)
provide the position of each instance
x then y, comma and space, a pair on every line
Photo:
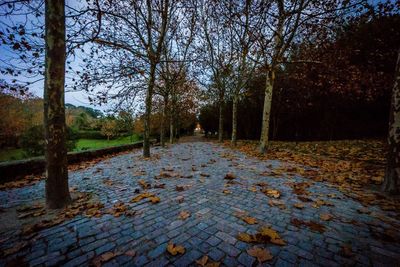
212, 227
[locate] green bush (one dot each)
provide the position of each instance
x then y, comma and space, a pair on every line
32, 141
90, 135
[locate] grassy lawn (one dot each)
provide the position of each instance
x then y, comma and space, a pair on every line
82, 144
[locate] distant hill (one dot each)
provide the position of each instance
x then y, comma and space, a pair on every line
94, 113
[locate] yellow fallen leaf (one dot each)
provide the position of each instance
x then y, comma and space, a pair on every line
202, 261
278, 203
142, 196
154, 199
272, 235
183, 215
249, 220
272, 193
175, 249
246, 237
261, 254
226, 192
326, 217
253, 189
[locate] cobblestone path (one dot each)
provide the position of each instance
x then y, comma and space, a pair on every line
213, 225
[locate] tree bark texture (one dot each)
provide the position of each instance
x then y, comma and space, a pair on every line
234, 120
221, 122
269, 86
149, 97
162, 126
57, 190
392, 175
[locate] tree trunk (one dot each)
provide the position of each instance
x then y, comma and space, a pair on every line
177, 127
234, 120
57, 190
171, 127
392, 175
221, 122
149, 96
269, 85
162, 130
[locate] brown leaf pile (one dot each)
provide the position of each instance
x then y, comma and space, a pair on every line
349, 165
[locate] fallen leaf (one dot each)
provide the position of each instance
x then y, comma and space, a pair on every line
246, 237
271, 193
130, 253
304, 199
264, 235
183, 215
154, 200
14, 249
272, 235
230, 176
326, 217
261, 254
316, 227
278, 203
144, 184
202, 261
226, 192
249, 220
298, 205
179, 199
175, 249
103, 258
159, 186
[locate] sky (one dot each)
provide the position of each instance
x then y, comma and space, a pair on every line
7, 54
76, 98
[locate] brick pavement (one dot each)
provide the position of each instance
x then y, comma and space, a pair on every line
213, 225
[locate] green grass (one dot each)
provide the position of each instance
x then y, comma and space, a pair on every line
82, 144
11, 154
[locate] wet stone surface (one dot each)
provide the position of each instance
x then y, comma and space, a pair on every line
213, 224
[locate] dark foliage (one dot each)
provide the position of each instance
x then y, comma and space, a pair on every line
32, 141
345, 96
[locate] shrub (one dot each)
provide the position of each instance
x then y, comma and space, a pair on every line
32, 140
90, 135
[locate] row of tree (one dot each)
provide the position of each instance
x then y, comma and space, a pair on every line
138, 49
345, 95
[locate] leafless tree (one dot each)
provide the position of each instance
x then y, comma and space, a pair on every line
128, 50
177, 55
215, 42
